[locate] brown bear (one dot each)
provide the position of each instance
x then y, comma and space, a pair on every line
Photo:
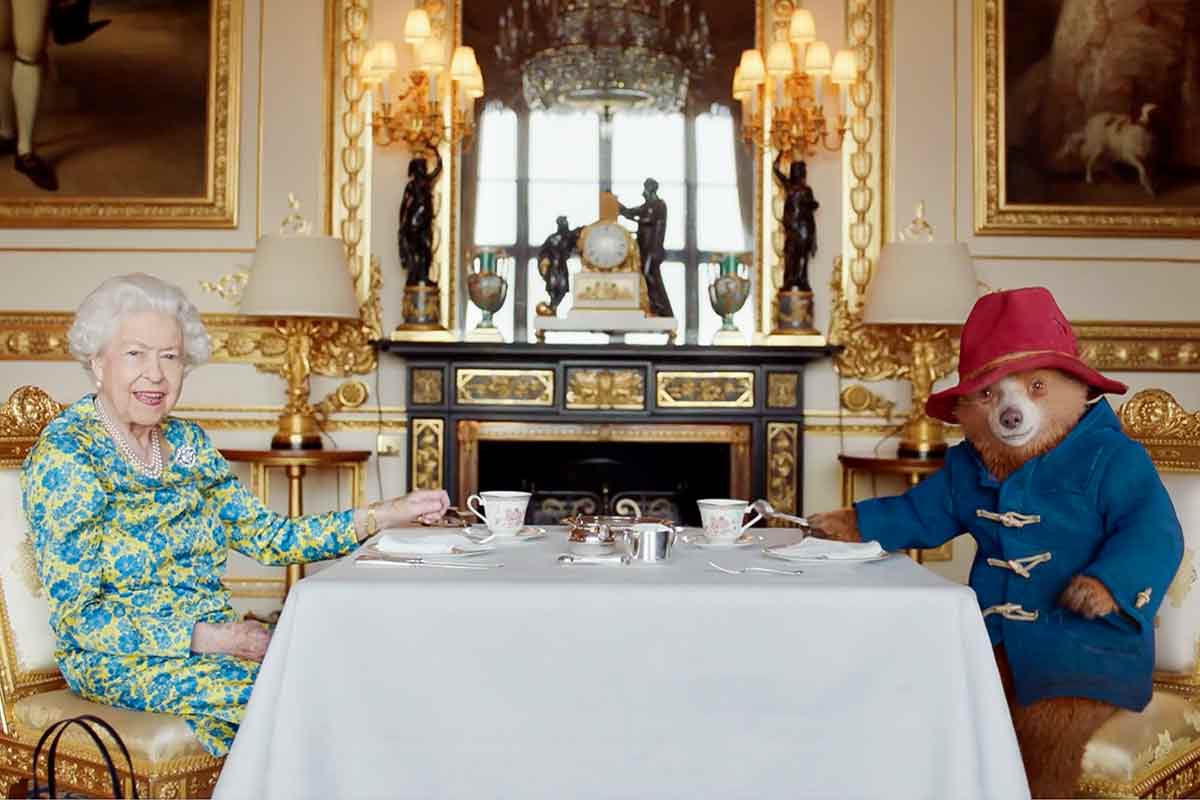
1077, 538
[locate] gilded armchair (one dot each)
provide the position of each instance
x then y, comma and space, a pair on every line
1156, 752
168, 760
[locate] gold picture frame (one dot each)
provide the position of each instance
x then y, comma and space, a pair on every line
214, 203
1031, 168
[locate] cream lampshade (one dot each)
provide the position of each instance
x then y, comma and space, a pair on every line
303, 282
924, 289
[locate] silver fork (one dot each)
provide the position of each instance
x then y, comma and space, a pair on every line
744, 570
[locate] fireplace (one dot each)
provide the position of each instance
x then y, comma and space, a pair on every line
589, 423
599, 468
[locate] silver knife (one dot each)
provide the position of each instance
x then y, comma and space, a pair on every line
421, 562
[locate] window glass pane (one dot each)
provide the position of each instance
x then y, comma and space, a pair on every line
580, 202
564, 146
502, 319
498, 144
537, 294
630, 195
496, 213
719, 225
715, 149
648, 146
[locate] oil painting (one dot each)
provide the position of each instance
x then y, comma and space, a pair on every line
1089, 117
118, 112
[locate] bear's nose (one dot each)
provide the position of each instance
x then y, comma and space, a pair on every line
1011, 418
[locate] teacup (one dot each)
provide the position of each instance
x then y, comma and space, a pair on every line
722, 518
503, 512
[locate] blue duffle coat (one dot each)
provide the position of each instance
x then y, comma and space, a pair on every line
1094, 505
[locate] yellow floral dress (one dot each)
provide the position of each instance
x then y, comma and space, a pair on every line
130, 564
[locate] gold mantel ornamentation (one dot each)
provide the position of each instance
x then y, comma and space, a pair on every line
705, 389
783, 390
428, 439
621, 389
783, 453
427, 386
505, 387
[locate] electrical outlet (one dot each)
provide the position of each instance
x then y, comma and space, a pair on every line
389, 444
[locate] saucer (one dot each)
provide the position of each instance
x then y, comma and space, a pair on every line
697, 538
525, 534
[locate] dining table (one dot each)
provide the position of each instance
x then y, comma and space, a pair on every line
684, 678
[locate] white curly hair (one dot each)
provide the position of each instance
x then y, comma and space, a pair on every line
101, 311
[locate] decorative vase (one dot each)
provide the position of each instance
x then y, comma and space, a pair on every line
728, 293
488, 290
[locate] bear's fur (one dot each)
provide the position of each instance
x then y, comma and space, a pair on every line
1052, 733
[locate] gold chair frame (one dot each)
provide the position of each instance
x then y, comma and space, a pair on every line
79, 766
1171, 435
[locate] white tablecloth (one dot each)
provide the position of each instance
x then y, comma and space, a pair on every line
540, 680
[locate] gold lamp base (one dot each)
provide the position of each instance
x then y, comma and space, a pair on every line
922, 437
296, 431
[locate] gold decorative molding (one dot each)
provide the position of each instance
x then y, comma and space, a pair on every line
428, 439
783, 389
427, 386
621, 389
994, 214
217, 207
783, 454
504, 387
705, 389
858, 399
1178, 778
1140, 346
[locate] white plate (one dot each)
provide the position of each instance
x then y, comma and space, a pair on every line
526, 534
464, 550
697, 539
771, 552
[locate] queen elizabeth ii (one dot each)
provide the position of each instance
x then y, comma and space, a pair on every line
133, 513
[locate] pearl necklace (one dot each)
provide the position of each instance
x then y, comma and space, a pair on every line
153, 469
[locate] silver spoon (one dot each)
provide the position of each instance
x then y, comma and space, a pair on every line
768, 510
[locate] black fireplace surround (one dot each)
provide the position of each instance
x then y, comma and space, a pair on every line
585, 426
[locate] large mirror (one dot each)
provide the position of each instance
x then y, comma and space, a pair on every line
529, 164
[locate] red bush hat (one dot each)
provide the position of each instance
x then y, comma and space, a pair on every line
1011, 331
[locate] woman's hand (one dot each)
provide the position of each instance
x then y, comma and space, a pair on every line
242, 639
426, 505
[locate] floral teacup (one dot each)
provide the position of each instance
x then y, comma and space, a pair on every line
503, 512
722, 518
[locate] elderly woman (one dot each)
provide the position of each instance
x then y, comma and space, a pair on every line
133, 513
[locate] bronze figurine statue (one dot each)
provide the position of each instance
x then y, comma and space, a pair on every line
552, 265
651, 217
415, 237
799, 225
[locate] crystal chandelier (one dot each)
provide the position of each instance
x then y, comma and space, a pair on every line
605, 54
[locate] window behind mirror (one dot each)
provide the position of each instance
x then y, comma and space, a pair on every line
547, 164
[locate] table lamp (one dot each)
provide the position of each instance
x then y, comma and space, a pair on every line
303, 282
923, 290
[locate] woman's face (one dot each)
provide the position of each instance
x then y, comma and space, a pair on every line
141, 371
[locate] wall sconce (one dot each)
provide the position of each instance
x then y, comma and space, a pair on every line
415, 116
792, 76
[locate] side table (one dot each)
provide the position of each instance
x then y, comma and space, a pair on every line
295, 463
913, 470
